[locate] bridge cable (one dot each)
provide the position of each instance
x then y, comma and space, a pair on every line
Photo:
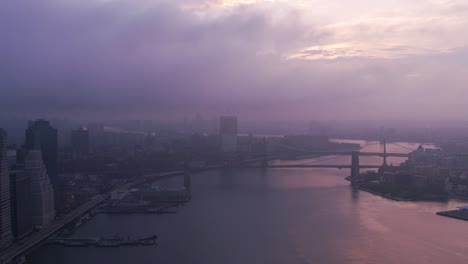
371, 144
396, 144
377, 158
322, 160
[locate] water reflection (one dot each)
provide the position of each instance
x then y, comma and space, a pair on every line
280, 216
354, 194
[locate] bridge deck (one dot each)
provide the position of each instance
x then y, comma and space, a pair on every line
349, 153
325, 166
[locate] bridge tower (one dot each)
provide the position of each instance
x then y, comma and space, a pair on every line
264, 150
385, 153
354, 166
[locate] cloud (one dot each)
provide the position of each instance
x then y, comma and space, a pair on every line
260, 59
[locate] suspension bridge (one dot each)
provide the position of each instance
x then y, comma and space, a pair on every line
355, 165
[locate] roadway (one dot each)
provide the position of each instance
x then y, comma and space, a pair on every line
320, 154
35, 239
349, 153
325, 166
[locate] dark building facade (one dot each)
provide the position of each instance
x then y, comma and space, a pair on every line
228, 134
5, 207
21, 204
40, 135
80, 141
228, 125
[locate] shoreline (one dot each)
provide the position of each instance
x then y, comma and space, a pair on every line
401, 199
394, 198
398, 199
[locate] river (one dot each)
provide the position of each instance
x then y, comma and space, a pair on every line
281, 216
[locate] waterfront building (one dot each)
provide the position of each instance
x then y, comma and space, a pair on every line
228, 134
425, 157
6, 235
42, 192
21, 204
40, 135
80, 142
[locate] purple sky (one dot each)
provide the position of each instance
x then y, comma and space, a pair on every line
334, 59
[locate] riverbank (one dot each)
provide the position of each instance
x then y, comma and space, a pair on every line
422, 198
425, 197
394, 198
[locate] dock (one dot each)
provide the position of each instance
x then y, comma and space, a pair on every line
116, 241
137, 211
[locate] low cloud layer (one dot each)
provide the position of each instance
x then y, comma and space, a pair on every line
257, 59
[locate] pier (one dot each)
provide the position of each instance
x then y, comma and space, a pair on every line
138, 209
461, 213
116, 241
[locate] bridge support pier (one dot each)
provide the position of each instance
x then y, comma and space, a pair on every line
385, 154
354, 166
265, 153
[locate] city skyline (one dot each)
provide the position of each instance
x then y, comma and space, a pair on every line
233, 131
275, 60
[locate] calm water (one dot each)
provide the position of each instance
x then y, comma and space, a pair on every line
281, 216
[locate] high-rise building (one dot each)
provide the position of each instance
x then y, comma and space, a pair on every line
21, 203
80, 141
228, 133
40, 135
96, 135
6, 235
42, 193
11, 157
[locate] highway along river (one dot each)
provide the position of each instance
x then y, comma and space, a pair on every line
280, 216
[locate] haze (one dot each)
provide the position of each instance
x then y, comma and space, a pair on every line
337, 59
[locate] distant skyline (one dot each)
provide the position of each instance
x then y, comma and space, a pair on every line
274, 60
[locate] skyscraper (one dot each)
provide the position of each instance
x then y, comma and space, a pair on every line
40, 135
21, 203
5, 204
80, 141
42, 193
228, 133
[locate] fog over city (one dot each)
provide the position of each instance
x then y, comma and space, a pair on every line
233, 131
278, 60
